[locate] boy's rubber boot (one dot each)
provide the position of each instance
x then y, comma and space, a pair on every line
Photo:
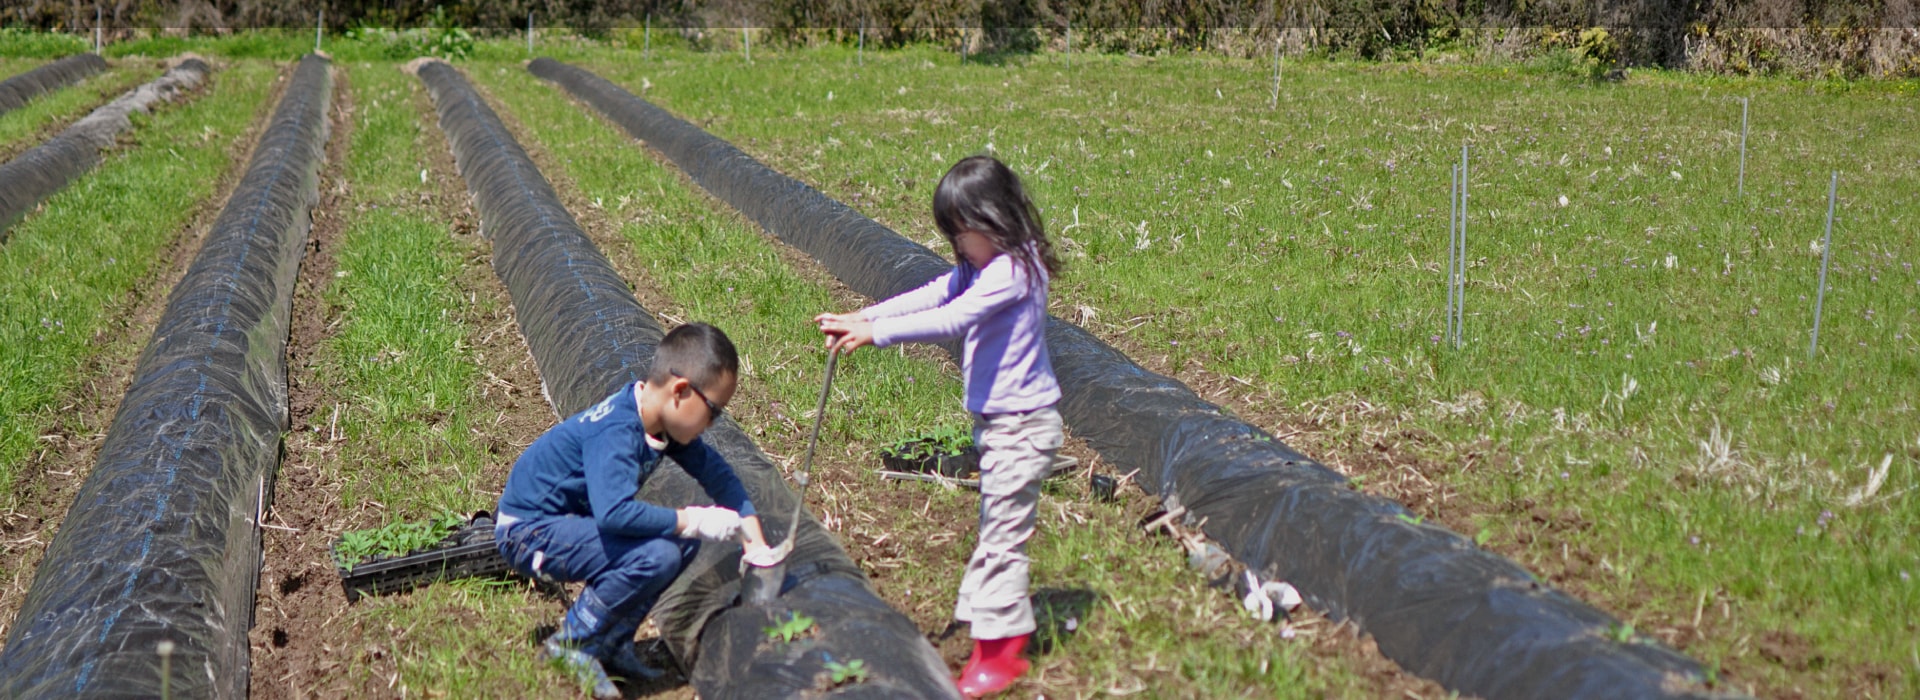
619, 657
574, 647
997, 664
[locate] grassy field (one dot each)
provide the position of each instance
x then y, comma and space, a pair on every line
22, 128
1634, 411
1634, 415
66, 268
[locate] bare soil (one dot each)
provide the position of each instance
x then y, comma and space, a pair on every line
307, 642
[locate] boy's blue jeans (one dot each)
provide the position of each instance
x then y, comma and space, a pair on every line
624, 576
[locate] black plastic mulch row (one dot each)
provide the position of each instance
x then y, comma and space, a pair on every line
1441, 607
161, 543
18, 90
589, 337
47, 168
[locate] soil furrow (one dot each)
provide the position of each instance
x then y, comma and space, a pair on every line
308, 641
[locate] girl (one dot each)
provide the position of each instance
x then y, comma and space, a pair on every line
997, 297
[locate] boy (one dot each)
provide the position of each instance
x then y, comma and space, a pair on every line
569, 511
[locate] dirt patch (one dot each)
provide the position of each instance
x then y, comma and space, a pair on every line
307, 641
303, 503
49, 480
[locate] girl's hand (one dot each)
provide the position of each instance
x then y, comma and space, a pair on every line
846, 334
843, 318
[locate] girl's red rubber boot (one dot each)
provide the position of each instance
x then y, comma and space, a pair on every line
995, 665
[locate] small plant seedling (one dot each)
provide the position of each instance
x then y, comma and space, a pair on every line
1413, 519
941, 440
394, 539
796, 625
854, 671
1480, 539
1622, 633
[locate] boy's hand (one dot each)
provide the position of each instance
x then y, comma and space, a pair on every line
846, 332
710, 523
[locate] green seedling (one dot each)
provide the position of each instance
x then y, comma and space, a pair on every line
796, 626
1413, 519
854, 671
1480, 538
394, 539
1622, 633
941, 440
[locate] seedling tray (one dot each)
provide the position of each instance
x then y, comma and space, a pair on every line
467, 553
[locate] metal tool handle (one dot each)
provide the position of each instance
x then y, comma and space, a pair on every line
806, 470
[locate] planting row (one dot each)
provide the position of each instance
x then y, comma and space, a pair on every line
161, 544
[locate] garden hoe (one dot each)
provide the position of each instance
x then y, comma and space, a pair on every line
761, 583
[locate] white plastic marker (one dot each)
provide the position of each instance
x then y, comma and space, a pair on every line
1826, 253
1275, 103
319, 25
1741, 190
529, 33
1460, 283
1453, 241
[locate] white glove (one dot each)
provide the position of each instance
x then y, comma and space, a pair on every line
763, 557
710, 523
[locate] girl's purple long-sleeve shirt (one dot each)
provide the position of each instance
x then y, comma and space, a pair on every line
1002, 310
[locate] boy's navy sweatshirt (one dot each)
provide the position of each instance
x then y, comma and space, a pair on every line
594, 463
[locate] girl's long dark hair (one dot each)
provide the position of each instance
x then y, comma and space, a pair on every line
981, 194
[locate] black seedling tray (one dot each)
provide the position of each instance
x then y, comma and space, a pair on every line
467, 553
963, 464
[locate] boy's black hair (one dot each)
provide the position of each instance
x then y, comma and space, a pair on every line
697, 351
982, 194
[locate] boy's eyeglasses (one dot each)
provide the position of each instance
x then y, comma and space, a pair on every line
713, 411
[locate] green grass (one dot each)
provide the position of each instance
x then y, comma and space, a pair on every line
66, 271
11, 65
17, 43
19, 127
1156, 624
401, 373
1301, 249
